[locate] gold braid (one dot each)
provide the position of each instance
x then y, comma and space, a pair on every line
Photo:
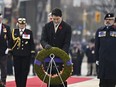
16, 39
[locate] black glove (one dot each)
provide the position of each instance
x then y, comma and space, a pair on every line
33, 55
48, 46
9, 53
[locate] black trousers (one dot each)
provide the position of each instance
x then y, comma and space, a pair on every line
3, 67
21, 67
9, 66
107, 83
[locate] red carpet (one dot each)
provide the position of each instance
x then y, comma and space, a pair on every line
36, 82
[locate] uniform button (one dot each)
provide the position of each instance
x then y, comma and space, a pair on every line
22, 45
17, 48
22, 41
22, 48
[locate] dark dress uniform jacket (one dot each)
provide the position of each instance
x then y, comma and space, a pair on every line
4, 39
105, 50
60, 39
27, 43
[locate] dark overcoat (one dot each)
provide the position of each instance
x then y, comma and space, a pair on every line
105, 51
61, 38
4, 39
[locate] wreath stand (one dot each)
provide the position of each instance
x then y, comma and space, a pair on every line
52, 56
46, 75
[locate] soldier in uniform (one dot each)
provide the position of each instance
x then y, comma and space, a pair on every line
77, 55
56, 33
4, 41
90, 53
105, 52
22, 48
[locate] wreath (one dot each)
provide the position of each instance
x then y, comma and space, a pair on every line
40, 71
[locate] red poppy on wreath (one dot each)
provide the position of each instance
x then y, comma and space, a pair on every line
60, 27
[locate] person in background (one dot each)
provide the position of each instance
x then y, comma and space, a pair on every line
56, 33
105, 52
23, 49
50, 17
5, 35
91, 60
77, 55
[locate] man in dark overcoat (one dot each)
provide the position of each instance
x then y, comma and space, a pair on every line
105, 51
5, 35
56, 33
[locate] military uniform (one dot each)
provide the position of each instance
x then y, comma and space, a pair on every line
105, 51
4, 41
77, 56
22, 49
91, 65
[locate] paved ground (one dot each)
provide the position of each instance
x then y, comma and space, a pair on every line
91, 83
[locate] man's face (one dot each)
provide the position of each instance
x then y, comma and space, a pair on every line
22, 26
109, 21
56, 19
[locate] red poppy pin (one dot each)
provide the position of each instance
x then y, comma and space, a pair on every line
60, 27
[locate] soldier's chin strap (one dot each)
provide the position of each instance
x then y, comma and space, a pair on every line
16, 39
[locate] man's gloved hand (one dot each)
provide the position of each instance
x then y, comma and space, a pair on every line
48, 46
33, 55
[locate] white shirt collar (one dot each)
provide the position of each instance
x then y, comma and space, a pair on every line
22, 29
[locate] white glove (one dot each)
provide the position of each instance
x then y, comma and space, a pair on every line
97, 62
6, 52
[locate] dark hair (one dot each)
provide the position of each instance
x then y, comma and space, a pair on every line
57, 12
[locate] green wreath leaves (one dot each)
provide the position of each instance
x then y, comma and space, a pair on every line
39, 69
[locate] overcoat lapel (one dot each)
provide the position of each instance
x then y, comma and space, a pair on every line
60, 28
52, 28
